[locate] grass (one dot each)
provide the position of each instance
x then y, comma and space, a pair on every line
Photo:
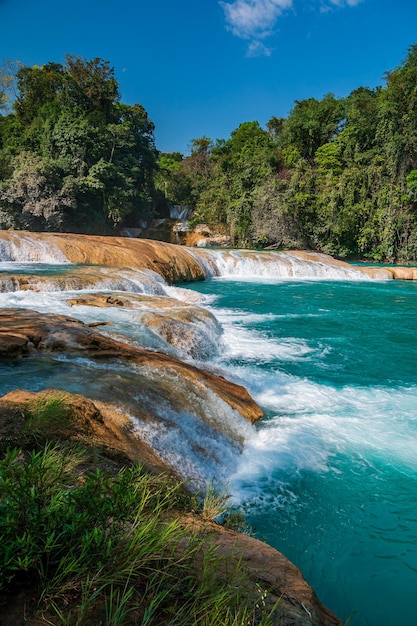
48, 413
95, 548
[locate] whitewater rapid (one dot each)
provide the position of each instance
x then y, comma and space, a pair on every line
329, 476
36, 274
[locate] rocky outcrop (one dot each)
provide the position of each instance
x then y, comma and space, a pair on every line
272, 577
95, 423
388, 273
75, 278
202, 237
25, 333
173, 263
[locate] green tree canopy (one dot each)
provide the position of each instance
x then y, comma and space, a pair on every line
69, 121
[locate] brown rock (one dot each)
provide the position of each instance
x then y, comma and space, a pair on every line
187, 327
174, 263
269, 572
99, 300
376, 273
94, 423
23, 332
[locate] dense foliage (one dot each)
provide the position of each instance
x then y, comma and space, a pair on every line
73, 157
337, 175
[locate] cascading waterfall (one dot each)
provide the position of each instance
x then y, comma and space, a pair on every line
26, 248
221, 263
203, 438
329, 476
247, 264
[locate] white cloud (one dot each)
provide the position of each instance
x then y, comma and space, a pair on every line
258, 49
341, 3
254, 19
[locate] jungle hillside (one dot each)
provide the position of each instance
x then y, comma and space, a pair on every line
338, 175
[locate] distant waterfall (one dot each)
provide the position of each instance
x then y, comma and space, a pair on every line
286, 265
26, 248
179, 212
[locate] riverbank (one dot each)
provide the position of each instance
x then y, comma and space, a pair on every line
52, 424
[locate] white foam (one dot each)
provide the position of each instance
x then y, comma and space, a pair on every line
251, 265
191, 428
197, 452
311, 425
24, 248
243, 343
189, 295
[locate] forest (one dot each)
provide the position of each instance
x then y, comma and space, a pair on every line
338, 175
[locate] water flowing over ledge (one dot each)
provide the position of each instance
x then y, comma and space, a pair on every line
177, 264
248, 264
178, 402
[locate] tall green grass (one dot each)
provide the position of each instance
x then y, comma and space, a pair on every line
110, 549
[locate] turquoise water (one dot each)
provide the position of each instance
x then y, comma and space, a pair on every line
330, 479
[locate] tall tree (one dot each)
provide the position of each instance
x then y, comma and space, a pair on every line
102, 151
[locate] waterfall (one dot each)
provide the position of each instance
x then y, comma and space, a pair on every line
25, 247
248, 264
178, 212
245, 264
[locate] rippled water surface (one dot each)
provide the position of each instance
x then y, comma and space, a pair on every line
330, 479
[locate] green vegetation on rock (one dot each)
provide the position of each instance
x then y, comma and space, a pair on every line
93, 546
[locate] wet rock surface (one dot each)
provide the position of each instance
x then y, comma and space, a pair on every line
194, 331
270, 576
174, 263
93, 423
24, 333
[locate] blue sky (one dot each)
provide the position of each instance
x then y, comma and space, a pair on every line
202, 67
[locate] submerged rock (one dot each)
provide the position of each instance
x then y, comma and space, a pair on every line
192, 330
24, 333
75, 278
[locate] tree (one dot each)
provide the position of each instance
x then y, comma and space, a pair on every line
91, 87
8, 72
36, 197
68, 119
173, 181
311, 124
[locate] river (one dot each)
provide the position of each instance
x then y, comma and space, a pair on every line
329, 476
